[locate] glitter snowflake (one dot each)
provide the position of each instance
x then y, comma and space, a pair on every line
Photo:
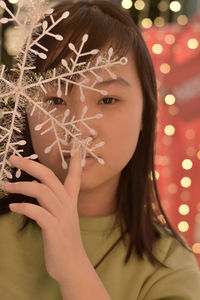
18, 87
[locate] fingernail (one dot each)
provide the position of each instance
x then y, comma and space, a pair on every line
13, 206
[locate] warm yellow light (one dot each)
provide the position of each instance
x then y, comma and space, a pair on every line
182, 20
165, 68
190, 134
192, 43
13, 1
196, 248
127, 4
146, 23
159, 21
139, 4
163, 5
157, 175
183, 226
186, 182
169, 39
172, 188
157, 48
184, 209
170, 99
187, 164
175, 6
169, 130
198, 154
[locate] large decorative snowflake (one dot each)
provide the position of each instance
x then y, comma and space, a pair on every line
19, 87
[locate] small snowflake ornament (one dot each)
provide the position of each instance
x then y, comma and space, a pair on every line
20, 86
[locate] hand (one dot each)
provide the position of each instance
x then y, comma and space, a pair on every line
57, 216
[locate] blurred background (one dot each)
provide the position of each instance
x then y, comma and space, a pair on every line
171, 30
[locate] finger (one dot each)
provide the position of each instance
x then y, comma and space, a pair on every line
42, 173
73, 179
41, 192
35, 212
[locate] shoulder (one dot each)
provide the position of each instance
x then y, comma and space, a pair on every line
170, 251
180, 279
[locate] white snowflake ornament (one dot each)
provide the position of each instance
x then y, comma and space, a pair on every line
19, 86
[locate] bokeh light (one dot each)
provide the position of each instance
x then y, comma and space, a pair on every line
163, 5
159, 21
182, 20
157, 48
139, 4
13, 1
146, 23
170, 39
175, 6
169, 130
165, 68
170, 99
186, 182
187, 164
192, 43
196, 248
183, 226
127, 4
184, 209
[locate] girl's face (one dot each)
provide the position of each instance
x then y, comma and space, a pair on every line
119, 127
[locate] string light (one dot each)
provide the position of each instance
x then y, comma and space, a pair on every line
127, 4
187, 164
157, 48
170, 99
139, 4
198, 154
175, 6
182, 20
184, 209
183, 226
192, 43
196, 248
169, 130
186, 182
13, 1
159, 21
163, 5
146, 23
169, 39
172, 188
165, 68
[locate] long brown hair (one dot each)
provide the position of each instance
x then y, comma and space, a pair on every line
137, 193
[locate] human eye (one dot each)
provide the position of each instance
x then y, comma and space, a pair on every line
55, 101
108, 100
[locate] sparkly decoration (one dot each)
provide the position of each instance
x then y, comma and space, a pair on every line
175, 52
20, 88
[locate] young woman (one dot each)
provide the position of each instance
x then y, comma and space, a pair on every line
92, 232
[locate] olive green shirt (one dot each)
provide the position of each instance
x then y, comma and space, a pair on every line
23, 275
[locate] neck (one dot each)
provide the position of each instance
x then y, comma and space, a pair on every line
98, 201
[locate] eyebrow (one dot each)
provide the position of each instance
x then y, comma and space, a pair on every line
119, 80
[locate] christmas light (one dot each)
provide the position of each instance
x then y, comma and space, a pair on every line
192, 43
182, 20
165, 68
169, 39
170, 99
187, 164
139, 4
159, 21
169, 130
13, 1
163, 5
127, 4
183, 226
175, 6
146, 23
184, 209
157, 48
186, 182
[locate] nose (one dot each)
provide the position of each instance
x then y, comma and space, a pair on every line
82, 125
